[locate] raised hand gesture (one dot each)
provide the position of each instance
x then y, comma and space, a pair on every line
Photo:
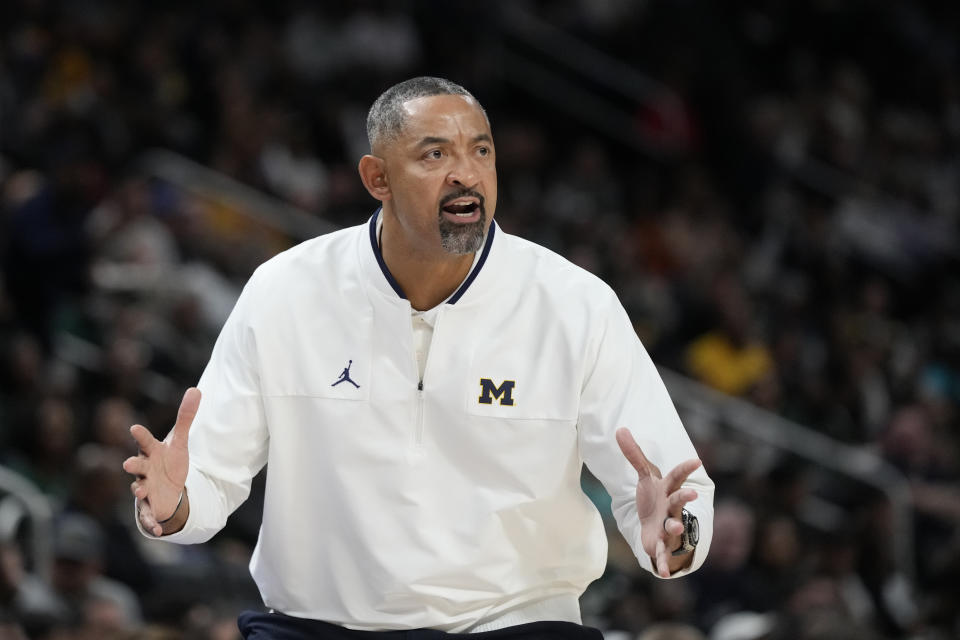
660, 501
161, 468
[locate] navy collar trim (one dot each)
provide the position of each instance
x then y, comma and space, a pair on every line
476, 269
379, 254
375, 245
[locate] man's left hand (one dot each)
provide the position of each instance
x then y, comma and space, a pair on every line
660, 501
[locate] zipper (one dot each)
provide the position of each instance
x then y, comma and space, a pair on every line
418, 422
418, 427
418, 433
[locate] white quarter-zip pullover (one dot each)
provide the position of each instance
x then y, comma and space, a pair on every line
445, 496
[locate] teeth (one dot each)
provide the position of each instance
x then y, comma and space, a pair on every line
463, 208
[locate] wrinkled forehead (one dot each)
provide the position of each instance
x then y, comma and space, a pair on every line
445, 116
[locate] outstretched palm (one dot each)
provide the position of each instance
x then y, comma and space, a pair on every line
660, 501
161, 467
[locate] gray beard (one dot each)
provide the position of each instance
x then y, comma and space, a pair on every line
461, 239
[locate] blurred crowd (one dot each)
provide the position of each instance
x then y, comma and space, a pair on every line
788, 234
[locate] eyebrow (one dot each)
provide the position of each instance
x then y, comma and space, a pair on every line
483, 137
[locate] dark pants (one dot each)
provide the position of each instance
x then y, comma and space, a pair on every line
276, 626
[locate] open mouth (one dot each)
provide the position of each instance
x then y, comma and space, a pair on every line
462, 222
462, 209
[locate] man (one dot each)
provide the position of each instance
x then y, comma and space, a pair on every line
441, 490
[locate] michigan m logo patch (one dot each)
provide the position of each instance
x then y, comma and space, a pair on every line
503, 393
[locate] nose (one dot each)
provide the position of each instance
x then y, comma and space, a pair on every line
463, 173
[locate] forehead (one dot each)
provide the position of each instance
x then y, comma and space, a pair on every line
446, 116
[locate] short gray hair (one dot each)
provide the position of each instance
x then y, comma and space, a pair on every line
385, 119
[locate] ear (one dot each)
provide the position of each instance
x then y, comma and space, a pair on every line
373, 174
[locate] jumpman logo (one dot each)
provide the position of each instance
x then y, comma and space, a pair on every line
345, 376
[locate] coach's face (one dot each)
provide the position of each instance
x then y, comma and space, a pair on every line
440, 176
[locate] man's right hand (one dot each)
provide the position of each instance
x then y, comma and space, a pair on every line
161, 468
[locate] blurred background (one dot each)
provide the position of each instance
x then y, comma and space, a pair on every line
772, 187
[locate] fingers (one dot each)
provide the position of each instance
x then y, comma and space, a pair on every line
147, 519
634, 454
673, 526
138, 490
678, 475
135, 465
677, 499
185, 415
144, 438
631, 450
663, 559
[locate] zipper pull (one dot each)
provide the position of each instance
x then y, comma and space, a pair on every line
420, 386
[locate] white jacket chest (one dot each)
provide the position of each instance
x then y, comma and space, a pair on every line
498, 365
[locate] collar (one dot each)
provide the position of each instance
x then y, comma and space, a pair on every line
384, 281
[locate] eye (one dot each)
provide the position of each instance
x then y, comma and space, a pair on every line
434, 154
483, 151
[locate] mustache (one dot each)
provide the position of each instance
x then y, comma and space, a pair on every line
463, 193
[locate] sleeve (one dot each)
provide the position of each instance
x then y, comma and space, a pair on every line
622, 388
229, 437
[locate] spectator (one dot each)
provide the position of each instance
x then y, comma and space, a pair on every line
723, 585
743, 625
814, 180
671, 631
78, 579
24, 596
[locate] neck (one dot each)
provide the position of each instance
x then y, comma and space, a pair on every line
426, 277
